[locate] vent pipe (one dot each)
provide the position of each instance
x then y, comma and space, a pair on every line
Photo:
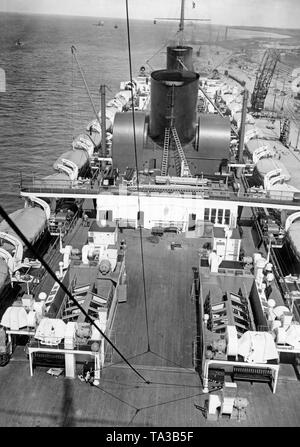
103, 121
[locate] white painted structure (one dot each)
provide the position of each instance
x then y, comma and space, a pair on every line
165, 210
227, 243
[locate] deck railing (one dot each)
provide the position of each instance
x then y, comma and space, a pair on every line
64, 188
77, 346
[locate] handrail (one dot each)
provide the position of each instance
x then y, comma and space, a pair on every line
204, 193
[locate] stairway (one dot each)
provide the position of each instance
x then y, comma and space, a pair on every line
186, 170
165, 157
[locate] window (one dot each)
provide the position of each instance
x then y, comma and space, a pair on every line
152, 163
192, 220
108, 215
220, 216
213, 215
206, 214
227, 217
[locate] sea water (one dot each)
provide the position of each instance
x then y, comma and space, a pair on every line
46, 104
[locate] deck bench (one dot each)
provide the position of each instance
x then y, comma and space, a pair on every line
263, 372
251, 374
47, 359
157, 231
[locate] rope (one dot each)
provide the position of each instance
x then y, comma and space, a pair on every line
73, 50
72, 113
63, 287
137, 175
158, 51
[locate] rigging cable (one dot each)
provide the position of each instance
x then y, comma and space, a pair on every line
73, 108
159, 50
63, 287
137, 175
73, 50
156, 52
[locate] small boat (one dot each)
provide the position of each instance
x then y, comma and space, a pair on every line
100, 23
19, 43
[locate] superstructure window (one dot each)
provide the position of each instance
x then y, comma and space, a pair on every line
206, 214
220, 216
213, 215
227, 217
152, 163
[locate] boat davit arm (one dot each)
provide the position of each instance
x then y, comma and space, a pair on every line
84, 142
260, 152
69, 167
291, 219
8, 259
269, 175
13, 262
275, 180
43, 204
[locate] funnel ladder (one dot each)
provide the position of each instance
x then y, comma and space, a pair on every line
165, 157
185, 171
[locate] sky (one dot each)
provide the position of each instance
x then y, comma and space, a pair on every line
267, 13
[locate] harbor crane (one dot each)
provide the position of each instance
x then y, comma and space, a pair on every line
263, 79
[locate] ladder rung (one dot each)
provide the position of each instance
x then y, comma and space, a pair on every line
180, 151
165, 157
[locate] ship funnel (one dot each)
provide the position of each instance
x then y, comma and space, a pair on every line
180, 58
174, 96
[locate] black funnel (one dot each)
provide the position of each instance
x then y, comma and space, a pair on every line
180, 58
173, 102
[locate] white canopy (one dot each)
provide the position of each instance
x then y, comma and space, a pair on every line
257, 347
51, 331
293, 336
14, 318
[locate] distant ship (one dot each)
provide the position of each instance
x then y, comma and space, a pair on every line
19, 43
100, 23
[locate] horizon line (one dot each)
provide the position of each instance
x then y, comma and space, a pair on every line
144, 20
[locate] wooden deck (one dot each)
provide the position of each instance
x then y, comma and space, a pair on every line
122, 398
170, 310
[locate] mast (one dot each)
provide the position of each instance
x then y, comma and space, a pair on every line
242, 126
181, 24
103, 121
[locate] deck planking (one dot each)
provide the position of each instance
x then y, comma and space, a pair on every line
169, 307
122, 398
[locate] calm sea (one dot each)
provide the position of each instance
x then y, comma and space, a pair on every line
45, 104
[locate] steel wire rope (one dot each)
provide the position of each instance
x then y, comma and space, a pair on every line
158, 51
72, 99
137, 175
63, 287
